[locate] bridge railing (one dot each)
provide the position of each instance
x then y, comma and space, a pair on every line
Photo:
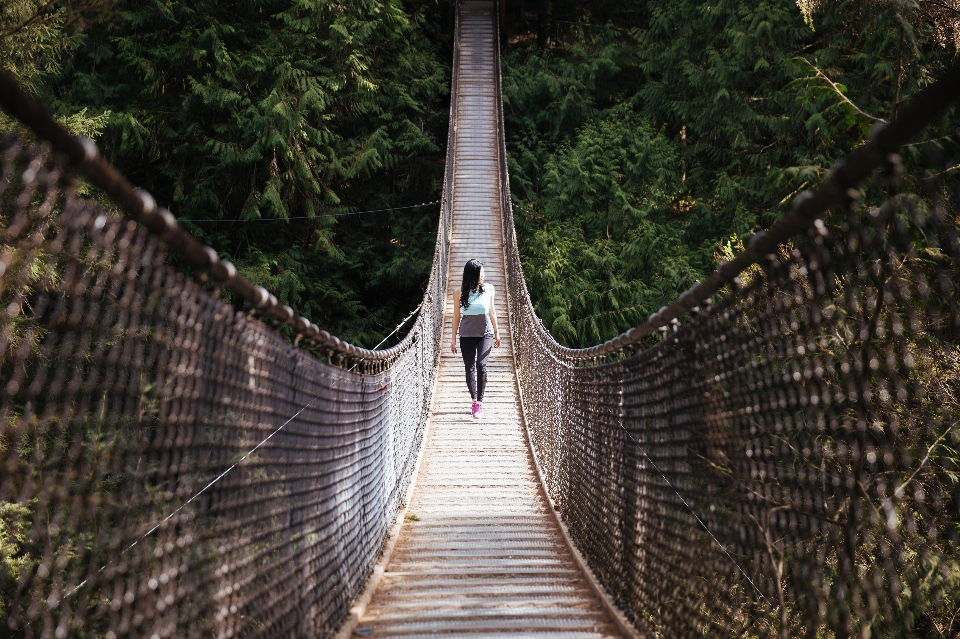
784, 462
171, 465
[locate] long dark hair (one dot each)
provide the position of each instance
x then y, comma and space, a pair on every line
471, 281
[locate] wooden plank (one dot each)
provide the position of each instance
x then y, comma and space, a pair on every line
483, 555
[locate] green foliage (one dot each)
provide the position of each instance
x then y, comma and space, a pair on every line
638, 146
14, 524
32, 43
33, 39
615, 188
279, 109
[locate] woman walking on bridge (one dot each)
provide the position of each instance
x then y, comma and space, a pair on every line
475, 319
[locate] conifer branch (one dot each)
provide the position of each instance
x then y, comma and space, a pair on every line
944, 172
942, 5
836, 89
41, 12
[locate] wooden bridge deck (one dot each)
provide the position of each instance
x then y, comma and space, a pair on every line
484, 556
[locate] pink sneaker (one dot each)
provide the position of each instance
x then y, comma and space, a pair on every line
479, 412
475, 410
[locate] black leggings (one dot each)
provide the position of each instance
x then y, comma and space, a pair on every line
475, 351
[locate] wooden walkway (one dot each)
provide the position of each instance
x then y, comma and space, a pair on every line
480, 554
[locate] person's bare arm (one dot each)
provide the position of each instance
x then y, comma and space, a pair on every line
456, 323
493, 320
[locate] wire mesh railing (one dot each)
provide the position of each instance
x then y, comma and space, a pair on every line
785, 462
171, 465
782, 464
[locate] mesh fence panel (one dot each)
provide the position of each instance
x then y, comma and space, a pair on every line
785, 463
127, 389
782, 464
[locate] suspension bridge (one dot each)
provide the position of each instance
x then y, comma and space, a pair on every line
771, 455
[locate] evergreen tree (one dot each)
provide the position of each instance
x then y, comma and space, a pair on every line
736, 107
277, 109
35, 35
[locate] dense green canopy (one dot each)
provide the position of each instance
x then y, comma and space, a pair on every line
646, 139
276, 109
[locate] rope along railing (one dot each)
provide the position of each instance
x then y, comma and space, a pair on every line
783, 464
170, 465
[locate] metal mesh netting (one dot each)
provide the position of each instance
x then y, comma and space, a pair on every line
127, 390
785, 463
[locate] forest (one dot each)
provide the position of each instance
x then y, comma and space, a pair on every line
646, 140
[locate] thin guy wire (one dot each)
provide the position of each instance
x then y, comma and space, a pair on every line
694, 513
312, 217
521, 206
405, 319
202, 490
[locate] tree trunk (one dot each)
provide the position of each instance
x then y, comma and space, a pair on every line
543, 23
